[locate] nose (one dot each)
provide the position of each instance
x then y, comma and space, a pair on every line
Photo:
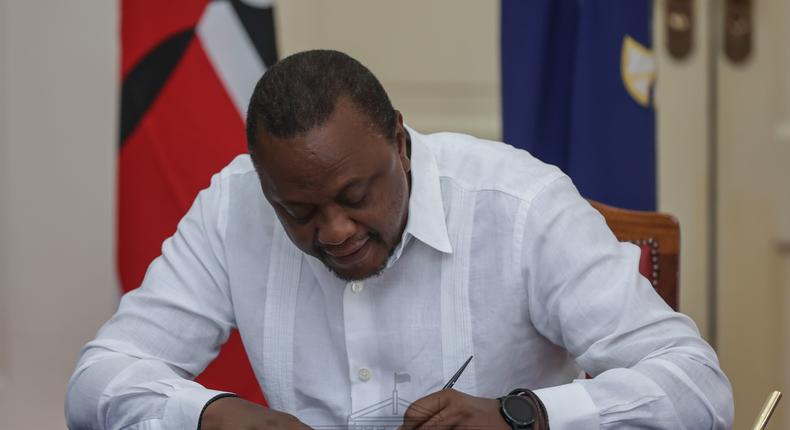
335, 227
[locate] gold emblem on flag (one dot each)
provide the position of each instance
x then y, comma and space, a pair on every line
638, 70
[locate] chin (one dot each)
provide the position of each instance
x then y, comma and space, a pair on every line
356, 274
371, 266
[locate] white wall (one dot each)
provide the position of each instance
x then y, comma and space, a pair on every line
438, 59
4, 228
57, 178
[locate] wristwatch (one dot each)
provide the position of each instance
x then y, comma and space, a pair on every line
520, 409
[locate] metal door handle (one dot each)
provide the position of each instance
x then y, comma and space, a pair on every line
679, 19
738, 30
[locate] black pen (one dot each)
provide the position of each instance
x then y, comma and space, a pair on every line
457, 375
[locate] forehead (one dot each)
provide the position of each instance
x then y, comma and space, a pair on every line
346, 148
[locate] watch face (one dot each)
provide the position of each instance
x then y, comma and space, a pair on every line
519, 410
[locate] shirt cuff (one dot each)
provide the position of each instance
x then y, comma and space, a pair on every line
185, 405
569, 406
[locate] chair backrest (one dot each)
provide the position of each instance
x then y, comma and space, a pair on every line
658, 236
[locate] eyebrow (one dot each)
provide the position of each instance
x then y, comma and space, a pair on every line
344, 190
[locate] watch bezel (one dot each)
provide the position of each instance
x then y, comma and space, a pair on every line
514, 421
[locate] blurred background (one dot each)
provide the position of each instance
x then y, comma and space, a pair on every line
718, 102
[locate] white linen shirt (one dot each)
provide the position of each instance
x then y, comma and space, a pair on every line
500, 258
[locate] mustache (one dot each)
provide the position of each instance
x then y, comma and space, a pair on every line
372, 236
323, 258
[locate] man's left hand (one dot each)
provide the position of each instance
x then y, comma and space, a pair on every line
448, 409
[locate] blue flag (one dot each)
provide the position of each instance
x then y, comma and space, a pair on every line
577, 80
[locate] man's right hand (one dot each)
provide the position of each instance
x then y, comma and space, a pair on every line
236, 413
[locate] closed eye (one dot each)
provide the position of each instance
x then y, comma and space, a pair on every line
302, 219
356, 202
300, 215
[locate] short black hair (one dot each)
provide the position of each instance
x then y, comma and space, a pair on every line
300, 92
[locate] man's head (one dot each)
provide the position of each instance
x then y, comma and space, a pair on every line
331, 155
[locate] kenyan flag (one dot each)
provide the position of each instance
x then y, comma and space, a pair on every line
188, 69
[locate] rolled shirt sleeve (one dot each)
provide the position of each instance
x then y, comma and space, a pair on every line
138, 371
651, 368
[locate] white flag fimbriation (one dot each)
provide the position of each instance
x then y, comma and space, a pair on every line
231, 52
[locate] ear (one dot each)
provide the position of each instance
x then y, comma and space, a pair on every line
402, 142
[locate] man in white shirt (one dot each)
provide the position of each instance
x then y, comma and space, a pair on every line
363, 262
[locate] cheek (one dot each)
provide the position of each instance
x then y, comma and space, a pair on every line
303, 239
301, 236
395, 204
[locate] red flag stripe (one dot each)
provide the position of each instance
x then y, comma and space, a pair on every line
146, 23
190, 131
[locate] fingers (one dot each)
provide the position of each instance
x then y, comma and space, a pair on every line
443, 409
450, 409
447, 418
424, 409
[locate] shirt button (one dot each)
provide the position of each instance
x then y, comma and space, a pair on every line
364, 374
356, 287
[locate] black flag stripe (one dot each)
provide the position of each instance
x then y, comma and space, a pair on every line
259, 25
146, 79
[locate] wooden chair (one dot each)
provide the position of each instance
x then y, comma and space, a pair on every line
658, 236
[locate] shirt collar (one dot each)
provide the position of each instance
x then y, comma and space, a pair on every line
426, 220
